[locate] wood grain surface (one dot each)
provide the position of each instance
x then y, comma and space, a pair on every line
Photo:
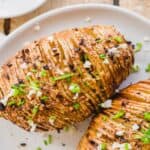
8, 25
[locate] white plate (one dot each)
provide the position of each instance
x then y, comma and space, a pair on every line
13, 8
132, 26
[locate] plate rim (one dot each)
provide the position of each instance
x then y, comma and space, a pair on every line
23, 12
68, 8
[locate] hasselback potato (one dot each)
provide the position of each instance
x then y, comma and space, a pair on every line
60, 80
124, 126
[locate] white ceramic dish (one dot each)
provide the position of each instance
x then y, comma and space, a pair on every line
134, 27
13, 8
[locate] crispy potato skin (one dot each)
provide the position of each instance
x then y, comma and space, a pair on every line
134, 101
66, 52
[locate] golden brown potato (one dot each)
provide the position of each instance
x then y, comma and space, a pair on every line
61, 79
124, 126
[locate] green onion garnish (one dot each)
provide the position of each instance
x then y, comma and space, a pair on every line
11, 103
66, 128
35, 110
20, 102
118, 39
44, 98
74, 88
102, 56
98, 40
135, 68
147, 68
147, 116
138, 47
38, 148
119, 114
52, 118
126, 146
146, 136
18, 89
48, 141
104, 118
35, 85
102, 146
34, 70
61, 77
43, 73
76, 106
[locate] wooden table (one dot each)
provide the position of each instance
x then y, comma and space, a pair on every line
140, 6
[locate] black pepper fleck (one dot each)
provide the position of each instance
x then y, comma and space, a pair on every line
23, 144
9, 65
46, 67
63, 144
81, 42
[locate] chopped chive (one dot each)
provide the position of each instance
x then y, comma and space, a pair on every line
34, 70
102, 56
18, 89
98, 40
118, 39
49, 139
35, 85
43, 73
76, 106
66, 128
61, 77
45, 142
35, 110
74, 88
135, 68
146, 136
147, 116
147, 69
138, 47
104, 118
126, 146
20, 102
52, 119
38, 148
11, 103
102, 146
119, 114
44, 98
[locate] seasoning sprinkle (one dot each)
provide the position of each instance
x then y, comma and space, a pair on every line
76, 106
147, 116
135, 68
119, 114
147, 69
138, 47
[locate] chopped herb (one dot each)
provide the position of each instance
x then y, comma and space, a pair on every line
11, 103
138, 47
126, 146
45, 142
38, 148
66, 128
43, 73
28, 78
35, 85
147, 116
145, 138
44, 98
102, 146
48, 141
86, 57
20, 102
135, 68
34, 70
102, 56
98, 40
104, 118
61, 77
79, 70
118, 39
35, 110
147, 69
18, 89
76, 106
119, 114
74, 88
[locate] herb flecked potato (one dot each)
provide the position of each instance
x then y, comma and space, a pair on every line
125, 125
60, 80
